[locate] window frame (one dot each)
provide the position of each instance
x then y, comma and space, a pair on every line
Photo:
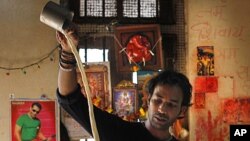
166, 16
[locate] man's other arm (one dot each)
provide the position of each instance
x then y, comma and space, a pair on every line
18, 132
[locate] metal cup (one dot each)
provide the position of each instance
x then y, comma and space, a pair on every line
56, 16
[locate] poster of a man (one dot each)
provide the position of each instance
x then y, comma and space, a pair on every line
33, 120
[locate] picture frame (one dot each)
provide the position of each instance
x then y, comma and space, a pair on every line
125, 101
123, 36
143, 78
98, 76
47, 116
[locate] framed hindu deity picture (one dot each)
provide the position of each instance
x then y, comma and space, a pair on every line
143, 78
98, 75
138, 45
33, 119
124, 101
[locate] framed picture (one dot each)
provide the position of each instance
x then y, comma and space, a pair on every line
98, 75
124, 101
143, 77
138, 45
33, 118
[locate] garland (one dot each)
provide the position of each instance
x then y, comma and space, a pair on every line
22, 68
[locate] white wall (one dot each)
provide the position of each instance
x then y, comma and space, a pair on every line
23, 41
223, 24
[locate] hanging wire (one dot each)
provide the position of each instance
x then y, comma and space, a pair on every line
32, 64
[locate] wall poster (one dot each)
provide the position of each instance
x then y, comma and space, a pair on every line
98, 76
205, 60
143, 77
125, 101
33, 119
138, 45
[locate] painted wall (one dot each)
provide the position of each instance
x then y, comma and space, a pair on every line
24, 40
223, 24
223, 98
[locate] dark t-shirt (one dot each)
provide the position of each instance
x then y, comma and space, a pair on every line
110, 127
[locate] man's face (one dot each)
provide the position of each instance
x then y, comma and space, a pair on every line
165, 106
34, 111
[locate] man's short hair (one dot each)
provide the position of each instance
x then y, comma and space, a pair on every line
172, 78
37, 104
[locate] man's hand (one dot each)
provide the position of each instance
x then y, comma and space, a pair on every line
72, 33
49, 139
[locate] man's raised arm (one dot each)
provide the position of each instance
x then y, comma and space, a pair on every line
67, 80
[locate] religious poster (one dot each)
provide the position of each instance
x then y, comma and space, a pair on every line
143, 77
205, 60
124, 101
33, 119
138, 45
98, 76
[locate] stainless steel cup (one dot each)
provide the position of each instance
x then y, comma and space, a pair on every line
56, 16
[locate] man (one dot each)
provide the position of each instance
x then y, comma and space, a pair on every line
169, 99
28, 125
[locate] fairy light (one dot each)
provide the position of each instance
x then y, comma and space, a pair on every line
51, 58
24, 68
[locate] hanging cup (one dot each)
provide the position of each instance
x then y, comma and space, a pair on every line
56, 16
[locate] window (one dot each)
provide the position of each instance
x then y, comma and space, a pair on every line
140, 8
130, 8
148, 8
110, 8
96, 8
93, 55
125, 11
94, 49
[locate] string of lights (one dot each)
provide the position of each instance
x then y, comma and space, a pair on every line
22, 68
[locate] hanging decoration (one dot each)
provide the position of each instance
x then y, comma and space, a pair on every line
138, 47
24, 68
